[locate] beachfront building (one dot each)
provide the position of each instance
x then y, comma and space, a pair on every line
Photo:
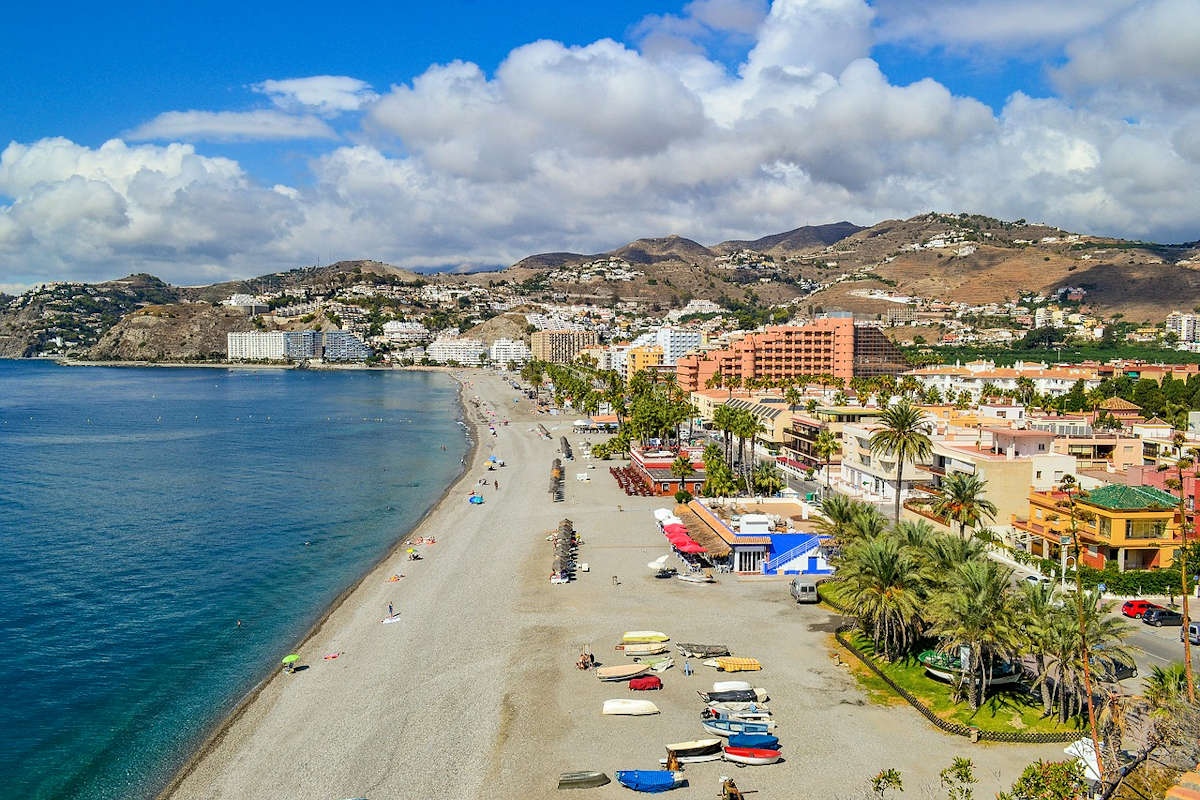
446, 349
1135, 526
652, 467
510, 351
831, 345
767, 536
343, 346
273, 345
561, 346
1009, 461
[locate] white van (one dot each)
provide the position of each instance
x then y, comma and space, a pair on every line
804, 589
1193, 632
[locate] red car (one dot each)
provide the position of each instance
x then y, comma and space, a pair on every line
1137, 608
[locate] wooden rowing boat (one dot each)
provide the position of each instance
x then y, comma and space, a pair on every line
749, 755
589, 779
699, 747
635, 637
642, 649
728, 727
621, 672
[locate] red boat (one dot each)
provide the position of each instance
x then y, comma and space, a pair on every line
752, 756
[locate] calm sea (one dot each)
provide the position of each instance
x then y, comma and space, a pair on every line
144, 511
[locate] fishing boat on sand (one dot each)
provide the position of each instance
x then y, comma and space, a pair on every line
749, 712
732, 664
646, 649
649, 780
946, 667
692, 650
756, 695
731, 686
717, 756
699, 747
696, 578
728, 727
621, 672
636, 637
755, 741
658, 663
629, 708
589, 779
751, 756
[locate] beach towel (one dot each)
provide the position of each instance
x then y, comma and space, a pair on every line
646, 683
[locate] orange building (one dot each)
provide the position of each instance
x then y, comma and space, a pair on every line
828, 346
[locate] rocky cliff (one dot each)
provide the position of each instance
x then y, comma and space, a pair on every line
174, 332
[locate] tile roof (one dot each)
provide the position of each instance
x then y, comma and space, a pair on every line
1117, 496
1119, 404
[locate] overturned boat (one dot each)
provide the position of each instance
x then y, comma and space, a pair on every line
728, 727
637, 637
751, 756
622, 707
693, 650
734, 664
699, 747
589, 779
946, 667
756, 695
649, 780
621, 672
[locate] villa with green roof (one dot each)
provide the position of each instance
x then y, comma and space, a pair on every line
1135, 526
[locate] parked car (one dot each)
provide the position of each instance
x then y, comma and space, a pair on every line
1193, 632
1136, 608
1038, 579
1161, 616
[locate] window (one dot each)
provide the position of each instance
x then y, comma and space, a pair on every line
1038, 475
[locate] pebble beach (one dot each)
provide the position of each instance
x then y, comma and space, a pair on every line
473, 691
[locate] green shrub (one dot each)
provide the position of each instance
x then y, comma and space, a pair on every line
683, 496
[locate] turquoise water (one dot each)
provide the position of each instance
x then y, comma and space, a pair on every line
144, 511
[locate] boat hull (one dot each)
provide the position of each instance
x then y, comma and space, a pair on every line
646, 649
694, 650
622, 673
637, 637
717, 756
629, 708
731, 686
582, 780
728, 727
700, 747
749, 756
757, 695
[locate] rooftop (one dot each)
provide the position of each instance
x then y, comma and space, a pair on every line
1126, 498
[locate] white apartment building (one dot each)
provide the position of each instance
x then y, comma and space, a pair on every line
1182, 325
677, 342
255, 346
972, 376
405, 332
468, 352
510, 351
870, 476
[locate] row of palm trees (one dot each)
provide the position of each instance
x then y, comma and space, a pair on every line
906, 583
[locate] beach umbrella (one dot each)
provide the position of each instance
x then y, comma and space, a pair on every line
692, 547
673, 528
292, 659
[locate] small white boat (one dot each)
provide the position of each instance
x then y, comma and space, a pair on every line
629, 708
731, 686
754, 714
663, 665
636, 637
697, 578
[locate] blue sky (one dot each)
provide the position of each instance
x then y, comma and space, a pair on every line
209, 140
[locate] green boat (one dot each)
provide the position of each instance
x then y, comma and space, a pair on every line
946, 667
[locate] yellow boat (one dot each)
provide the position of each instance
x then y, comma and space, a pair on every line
635, 637
734, 664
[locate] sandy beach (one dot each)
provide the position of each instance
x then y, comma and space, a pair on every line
473, 693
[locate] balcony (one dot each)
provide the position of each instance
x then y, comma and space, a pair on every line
928, 488
920, 508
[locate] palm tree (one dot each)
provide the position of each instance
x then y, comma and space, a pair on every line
712, 454
682, 468
976, 610
826, 447
962, 501
882, 588
723, 421
792, 397
903, 437
1036, 615
767, 479
1025, 389
837, 512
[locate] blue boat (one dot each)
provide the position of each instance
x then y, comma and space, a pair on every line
649, 780
728, 727
754, 741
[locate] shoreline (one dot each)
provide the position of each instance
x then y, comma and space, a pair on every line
331, 367
214, 739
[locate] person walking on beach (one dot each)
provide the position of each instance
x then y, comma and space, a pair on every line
497, 484
687, 668
391, 613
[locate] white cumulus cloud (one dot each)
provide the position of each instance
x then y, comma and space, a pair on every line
327, 95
